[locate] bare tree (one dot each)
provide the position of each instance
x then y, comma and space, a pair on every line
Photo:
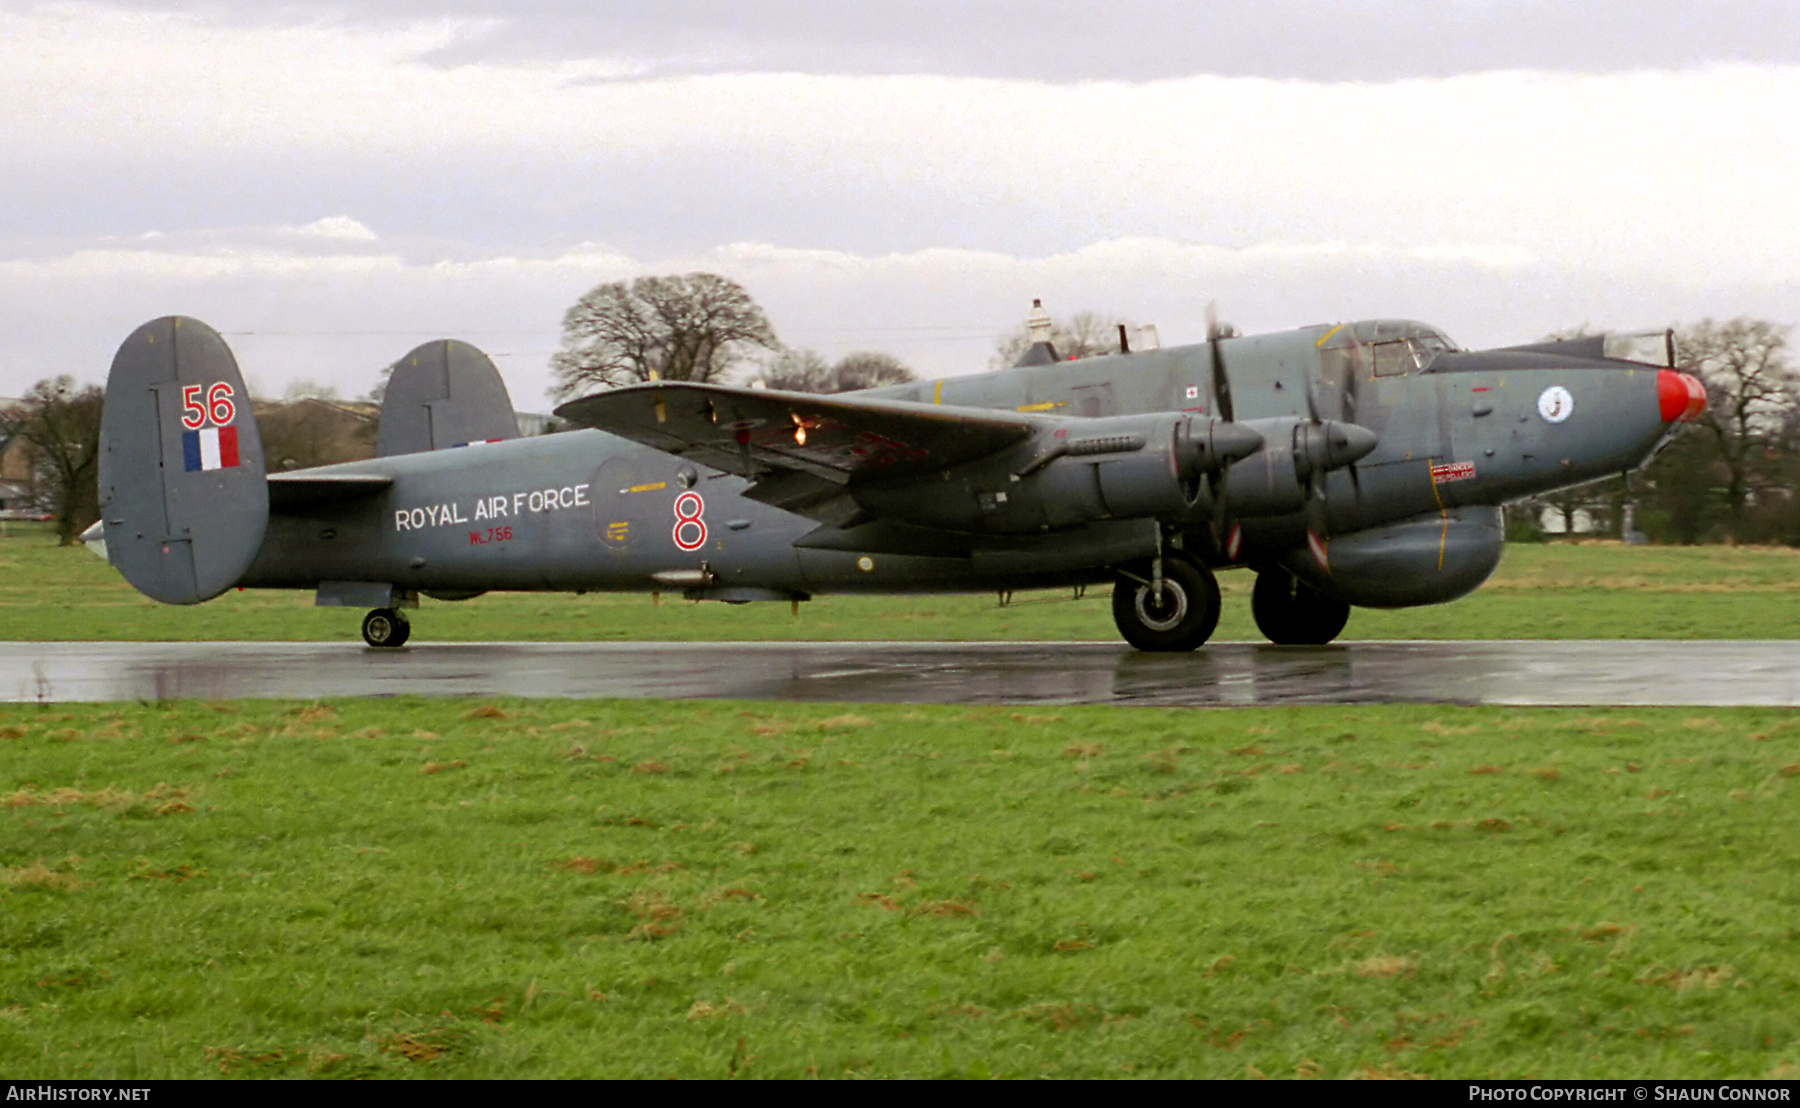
61, 421
797, 371
678, 328
1750, 392
1083, 335
806, 371
869, 369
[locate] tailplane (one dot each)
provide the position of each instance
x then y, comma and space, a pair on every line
443, 394
183, 496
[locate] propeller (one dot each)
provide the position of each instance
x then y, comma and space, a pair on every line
1334, 441
1221, 389
1352, 381
1221, 384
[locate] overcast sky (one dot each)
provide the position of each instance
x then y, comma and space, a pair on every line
330, 187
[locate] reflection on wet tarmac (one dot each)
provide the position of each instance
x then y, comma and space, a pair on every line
1611, 672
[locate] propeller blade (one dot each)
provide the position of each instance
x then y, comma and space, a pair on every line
1221, 383
1354, 381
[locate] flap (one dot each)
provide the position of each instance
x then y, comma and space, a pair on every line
761, 433
290, 492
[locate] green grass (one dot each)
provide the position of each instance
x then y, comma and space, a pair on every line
1540, 591
431, 888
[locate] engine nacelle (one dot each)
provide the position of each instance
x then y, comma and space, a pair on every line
1273, 481
1428, 559
1073, 472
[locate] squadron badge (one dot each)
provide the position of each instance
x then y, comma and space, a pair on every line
1555, 404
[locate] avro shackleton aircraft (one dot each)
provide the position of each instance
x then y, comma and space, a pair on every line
1352, 465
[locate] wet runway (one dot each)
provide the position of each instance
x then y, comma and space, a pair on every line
1609, 672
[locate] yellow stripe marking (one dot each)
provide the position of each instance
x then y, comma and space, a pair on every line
1327, 335
937, 394
1044, 407
1444, 537
648, 488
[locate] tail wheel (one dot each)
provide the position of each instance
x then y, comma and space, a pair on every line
385, 628
1293, 613
1182, 618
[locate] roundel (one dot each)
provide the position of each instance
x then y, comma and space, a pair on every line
690, 524
1555, 404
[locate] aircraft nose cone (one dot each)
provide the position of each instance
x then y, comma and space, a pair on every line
1682, 397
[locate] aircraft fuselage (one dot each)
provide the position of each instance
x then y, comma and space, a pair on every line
1458, 434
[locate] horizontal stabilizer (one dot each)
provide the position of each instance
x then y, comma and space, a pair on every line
293, 492
839, 439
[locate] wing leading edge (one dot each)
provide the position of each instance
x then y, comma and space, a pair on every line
800, 449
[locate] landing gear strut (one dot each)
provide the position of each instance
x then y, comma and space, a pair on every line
1181, 618
385, 628
1293, 613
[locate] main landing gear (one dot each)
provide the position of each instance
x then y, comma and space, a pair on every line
1293, 613
385, 628
1177, 612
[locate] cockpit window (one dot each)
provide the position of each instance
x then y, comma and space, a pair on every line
1394, 358
1388, 346
1372, 331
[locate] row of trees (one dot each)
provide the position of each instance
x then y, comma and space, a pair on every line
696, 327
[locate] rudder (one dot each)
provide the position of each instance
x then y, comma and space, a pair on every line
183, 492
443, 394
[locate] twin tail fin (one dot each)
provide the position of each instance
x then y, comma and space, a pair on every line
183, 495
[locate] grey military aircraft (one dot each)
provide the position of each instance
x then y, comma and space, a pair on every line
1359, 464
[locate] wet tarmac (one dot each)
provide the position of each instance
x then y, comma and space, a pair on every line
1575, 673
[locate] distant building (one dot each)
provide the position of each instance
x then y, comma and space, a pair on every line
1582, 521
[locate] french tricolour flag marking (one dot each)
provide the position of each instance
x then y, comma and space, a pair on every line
209, 448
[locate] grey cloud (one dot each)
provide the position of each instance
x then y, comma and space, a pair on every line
463, 206
1069, 40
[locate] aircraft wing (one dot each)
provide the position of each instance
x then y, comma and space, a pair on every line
799, 448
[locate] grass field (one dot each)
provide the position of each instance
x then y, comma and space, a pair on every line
442, 888
1540, 591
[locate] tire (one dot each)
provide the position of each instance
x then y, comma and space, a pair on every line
385, 629
1293, 613
1187, 616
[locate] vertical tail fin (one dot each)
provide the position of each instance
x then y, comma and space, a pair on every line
445, 393
183, 494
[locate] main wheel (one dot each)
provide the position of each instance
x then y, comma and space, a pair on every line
385, 628
1293, 613
1181, 619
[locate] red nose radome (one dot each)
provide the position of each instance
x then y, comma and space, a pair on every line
1682, 397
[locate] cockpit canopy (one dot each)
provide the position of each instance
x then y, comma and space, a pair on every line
1395, 346
1656, 348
